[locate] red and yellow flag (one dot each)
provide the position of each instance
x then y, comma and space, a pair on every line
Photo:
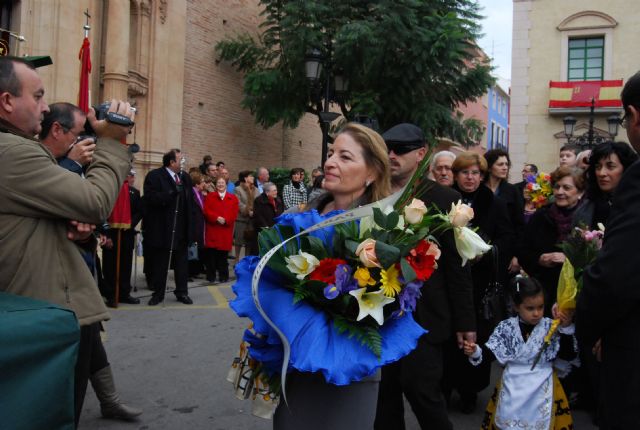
579, 94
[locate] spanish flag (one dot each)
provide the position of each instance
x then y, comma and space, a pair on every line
121, 215
85, 70
579, 94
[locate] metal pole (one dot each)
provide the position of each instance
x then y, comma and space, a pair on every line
173, 235
324, 125
591, 115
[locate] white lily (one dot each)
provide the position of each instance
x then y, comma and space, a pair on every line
371, 304
302, 264
469, 244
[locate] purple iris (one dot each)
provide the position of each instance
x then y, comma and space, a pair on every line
409, 295
344, 282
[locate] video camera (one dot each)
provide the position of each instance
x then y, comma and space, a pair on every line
102, 112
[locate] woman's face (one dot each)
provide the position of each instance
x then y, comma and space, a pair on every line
609, 171
469, 179
566, 193
345, 171
221, 185
295, 177
249, 179
500, 169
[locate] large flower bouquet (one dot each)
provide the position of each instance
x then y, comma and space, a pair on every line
335, 293
580, 248
539, 189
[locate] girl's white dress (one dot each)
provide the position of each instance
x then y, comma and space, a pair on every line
526, 397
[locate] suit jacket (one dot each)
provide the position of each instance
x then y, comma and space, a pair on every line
160, 197
446, 304
513, 197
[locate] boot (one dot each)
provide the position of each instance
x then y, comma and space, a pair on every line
110, 404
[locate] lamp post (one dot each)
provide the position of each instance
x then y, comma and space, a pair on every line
326, 88
588, 139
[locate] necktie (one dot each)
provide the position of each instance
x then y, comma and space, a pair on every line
178, 180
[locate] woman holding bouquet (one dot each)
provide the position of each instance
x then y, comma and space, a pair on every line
356, 173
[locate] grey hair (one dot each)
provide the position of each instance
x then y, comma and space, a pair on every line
267, 186
439, 154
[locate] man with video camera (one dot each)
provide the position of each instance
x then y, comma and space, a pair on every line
45, 211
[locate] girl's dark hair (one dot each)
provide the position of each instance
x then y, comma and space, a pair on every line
624, 152
521, 288
492, 156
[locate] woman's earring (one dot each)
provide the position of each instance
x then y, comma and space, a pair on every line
367, 183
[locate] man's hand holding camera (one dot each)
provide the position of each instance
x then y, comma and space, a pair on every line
82, 151
106, 128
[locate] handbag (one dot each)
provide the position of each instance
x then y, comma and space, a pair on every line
493, 303
192, 252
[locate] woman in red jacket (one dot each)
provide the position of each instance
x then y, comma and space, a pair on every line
220, 213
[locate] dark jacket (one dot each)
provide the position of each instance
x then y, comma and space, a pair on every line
609, 306
446, 304
160, 197
513, 197
264, 212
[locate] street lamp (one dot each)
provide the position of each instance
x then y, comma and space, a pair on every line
588, 140
324, 91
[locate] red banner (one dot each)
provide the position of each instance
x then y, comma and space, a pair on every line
85, 70
579, 94
121, 215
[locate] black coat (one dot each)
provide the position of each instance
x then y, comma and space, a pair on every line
160, 197
541, 237
446, 304
264, 212
609, 307
513, 197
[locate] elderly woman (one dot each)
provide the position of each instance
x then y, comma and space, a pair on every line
540, 255
244, 234
220, 213
295, 193
606, 164
356, 173
267, 207
492, 221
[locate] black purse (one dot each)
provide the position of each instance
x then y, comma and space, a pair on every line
493, 303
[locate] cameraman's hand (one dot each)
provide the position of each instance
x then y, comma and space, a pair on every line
104, 128
82, 152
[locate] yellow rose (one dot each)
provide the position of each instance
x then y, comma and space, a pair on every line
366, 251
302, 264
363, 277
414, 213
460, 214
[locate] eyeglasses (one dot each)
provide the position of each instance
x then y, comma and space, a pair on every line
470, 172
402, 149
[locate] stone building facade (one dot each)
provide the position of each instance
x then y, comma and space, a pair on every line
546, 35
159, 54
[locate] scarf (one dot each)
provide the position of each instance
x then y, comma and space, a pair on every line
563, 219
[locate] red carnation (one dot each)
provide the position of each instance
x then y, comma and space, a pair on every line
326, 271
422, 261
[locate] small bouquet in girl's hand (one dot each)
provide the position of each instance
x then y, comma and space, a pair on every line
539, 189
580, 249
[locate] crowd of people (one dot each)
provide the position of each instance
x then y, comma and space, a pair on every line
193, 218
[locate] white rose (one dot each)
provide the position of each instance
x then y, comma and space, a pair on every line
460, 214
414, 213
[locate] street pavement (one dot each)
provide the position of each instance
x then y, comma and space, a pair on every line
172, 361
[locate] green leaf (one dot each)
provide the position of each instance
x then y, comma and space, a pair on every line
387, 254
365, 334
407, 271
379, 218
351, 245
314, 246
392, 220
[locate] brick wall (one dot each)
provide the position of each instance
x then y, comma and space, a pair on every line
213, 120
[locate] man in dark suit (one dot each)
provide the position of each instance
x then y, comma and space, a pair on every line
445, 307
608, 313
168, 226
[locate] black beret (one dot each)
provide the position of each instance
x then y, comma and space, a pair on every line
404, 136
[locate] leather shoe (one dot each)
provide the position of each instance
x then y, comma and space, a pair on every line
184, 299
130, 300
154, 301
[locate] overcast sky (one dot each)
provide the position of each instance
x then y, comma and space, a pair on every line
496, 27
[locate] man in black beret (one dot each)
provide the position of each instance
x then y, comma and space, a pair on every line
445, 307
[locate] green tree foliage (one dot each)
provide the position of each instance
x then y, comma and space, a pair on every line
405, 60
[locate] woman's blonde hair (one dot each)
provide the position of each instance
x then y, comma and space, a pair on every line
374, 151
